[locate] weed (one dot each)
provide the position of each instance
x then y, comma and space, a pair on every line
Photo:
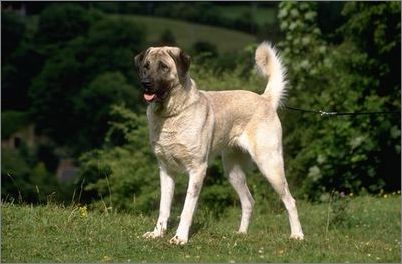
339, 207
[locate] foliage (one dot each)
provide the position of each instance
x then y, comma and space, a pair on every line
205, 47
59, 23
24, 179
124, 174
127, 38
58, 69
338, 153
76, 62
72, 75
94, 103
16, 70
12, 121
339, 207
14, 169
247, 17
13, 29
167, 38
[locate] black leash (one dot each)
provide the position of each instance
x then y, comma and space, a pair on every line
325, 113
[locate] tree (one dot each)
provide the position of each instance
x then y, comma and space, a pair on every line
17, 71
12, 32
346, 153
376, 28
110, 45
94, 105
61, 22
52, 95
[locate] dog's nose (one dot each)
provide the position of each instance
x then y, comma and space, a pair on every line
146, 84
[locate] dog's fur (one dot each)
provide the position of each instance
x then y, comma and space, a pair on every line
187, 126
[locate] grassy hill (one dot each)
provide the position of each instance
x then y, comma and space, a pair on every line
186, 34
367, 229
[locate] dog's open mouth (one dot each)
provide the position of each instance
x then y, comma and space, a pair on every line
149, 97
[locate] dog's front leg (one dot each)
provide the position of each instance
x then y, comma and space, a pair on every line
196, 179
167, 190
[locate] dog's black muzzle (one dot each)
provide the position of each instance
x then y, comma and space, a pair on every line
147, 86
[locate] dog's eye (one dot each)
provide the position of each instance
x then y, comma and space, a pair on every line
146, 65
163, 66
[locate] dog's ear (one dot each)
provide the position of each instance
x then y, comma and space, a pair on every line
182, 61
139, 58
185, 61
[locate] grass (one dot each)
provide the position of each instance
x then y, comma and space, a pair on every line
186, 34
51, 233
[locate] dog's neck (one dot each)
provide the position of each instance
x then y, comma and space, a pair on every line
181, 97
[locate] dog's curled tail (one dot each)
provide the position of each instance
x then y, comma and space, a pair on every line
270, 65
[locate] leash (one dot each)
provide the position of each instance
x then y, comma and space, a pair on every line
325, 113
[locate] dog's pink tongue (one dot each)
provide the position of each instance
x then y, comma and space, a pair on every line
149, 97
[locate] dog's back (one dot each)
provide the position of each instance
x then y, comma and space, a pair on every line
234, 110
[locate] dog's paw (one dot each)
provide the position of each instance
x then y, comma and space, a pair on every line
153, 234
241, 232
297, 236
178, 241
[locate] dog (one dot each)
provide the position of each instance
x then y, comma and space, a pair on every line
188, 126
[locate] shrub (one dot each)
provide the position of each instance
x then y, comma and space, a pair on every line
337, 153
23, 179
123, 174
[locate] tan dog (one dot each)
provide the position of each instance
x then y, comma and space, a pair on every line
188, 126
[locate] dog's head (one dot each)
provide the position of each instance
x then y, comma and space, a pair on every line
161, 70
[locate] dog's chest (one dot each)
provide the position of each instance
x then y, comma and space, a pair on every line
171, 145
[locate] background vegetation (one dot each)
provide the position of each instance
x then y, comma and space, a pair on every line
67, 69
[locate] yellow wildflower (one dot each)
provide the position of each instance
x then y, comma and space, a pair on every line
106, 258
83, 211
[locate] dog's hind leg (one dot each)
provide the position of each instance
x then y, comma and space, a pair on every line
233, 162
271, 166
265, 147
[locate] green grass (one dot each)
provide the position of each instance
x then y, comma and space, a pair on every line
369, 233
186, 34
